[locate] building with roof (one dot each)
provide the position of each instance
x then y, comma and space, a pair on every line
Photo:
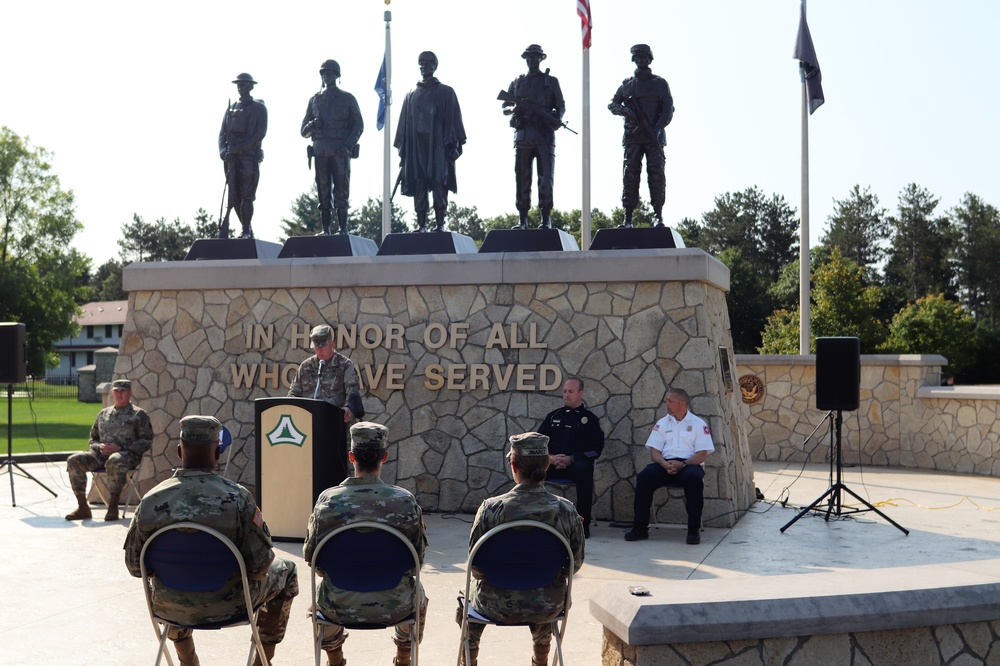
101, 325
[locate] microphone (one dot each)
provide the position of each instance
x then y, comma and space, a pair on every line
319, 376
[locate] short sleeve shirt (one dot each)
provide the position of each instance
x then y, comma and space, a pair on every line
680, 439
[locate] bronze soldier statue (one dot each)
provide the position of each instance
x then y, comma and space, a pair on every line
429, 139
645, 102
243, 130
333, 122
536, 112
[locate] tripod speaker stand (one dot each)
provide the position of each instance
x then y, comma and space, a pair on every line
10, 462
833, 496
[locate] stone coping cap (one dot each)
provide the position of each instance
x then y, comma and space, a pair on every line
723, 609
866, 359
572, 267
984, 392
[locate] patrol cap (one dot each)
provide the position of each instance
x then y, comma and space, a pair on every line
200, 429
536, 49
642, 48
427, 55
121, 385
321, 335
368, 437
240, 78
330, 65
530, 444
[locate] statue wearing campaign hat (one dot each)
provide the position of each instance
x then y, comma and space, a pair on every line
333, 122
535, 104
240, 138
647, 107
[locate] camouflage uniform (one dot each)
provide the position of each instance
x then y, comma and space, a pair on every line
338, 380
129, 428
525, 502
366, 498
202, 496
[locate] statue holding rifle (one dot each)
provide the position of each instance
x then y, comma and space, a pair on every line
645, 103
243, 130
535, 105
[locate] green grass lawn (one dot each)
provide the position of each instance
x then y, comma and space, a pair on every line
46, 425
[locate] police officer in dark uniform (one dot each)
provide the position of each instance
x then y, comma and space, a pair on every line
575, 442
534, 138
645, 102
333, 122
243, 130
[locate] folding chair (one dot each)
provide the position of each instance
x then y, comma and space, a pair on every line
366, 557
130, 478
519, 555
225, 448
195, 558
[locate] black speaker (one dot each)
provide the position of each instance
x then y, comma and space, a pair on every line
838, 373
13, 365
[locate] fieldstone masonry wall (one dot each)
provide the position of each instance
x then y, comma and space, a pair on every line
456, 354
904, 419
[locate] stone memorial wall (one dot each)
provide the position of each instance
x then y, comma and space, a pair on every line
455, 354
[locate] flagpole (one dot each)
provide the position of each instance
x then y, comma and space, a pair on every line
387, 149
585, 213
804, 230
586, 28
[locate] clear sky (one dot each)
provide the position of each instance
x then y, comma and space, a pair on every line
129, 97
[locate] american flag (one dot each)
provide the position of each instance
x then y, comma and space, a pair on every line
583, 9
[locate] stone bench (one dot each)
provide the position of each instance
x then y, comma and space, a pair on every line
906, 615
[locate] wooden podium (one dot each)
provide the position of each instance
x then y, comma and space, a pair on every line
301, 447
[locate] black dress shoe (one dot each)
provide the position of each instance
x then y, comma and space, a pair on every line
637, 534
693, 538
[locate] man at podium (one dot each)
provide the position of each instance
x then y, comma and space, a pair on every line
329, 376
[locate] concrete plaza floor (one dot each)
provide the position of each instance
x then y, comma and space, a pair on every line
68, 599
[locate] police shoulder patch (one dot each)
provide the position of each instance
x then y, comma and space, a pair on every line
707, 431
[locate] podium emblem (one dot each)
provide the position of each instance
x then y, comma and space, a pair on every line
286, 433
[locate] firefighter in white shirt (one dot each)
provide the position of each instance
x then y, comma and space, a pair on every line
679, 444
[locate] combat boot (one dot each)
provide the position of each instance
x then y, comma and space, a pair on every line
335, 657
658, 214
522, 221
402, 655
421, 222
541, 655
627, 224
112, 513
342, 220
474, 657
439, 220
268, 652
546, 220
82, 509
325, 216
185, 652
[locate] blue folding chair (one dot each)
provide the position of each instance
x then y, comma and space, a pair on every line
519, 555
366, 557
195, 558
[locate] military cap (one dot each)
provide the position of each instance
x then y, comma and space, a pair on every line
330, 65
368, 437
240, 78
530, 444
200, 429
122, 385
536, 49
427, 55
321, 335
642, 48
